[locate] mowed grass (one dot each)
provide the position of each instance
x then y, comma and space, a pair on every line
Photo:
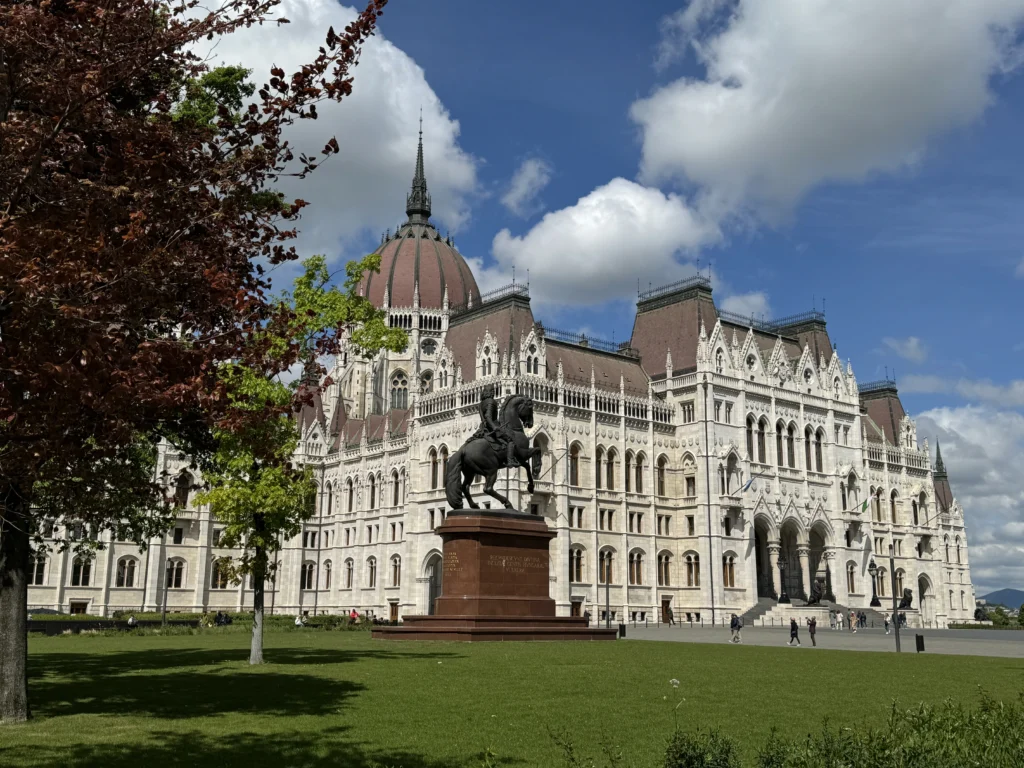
342, 699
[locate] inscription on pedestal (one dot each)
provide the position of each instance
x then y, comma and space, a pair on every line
516, 563
451, 563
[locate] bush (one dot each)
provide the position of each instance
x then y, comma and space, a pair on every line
700, 750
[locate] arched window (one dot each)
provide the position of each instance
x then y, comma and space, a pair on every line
371, 573
842, 493
851, 572
808, 440
605, 571
351, 493
963, 600
762, 451
444, 463
443, 379
791, 446
876, 502
729, 570
308, 575
396, 571
598, 467
433, 468
636, 568
719, 362
892, 506
576, 565
395, 487
574, 465
81, 571
327, 574
37, 570
372, 491
427, 382
175, 574
951, 599
126, 572
780, 455
330, 499
349, 569
182, 486
219, 577
913, 510
899, 583
693, 570
662, 463
664, 570
399, 390
750, 438
639, 473
946, 542
627, 471
817, 450
610, 474
958, 562
922, 506
881, 579
721, 480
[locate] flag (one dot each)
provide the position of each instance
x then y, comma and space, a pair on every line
750, 481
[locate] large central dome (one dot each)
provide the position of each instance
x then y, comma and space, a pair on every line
417, 255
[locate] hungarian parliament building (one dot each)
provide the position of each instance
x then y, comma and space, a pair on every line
711, 465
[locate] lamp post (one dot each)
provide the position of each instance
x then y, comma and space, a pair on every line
783, 597
895, 607
608, 593
873, 570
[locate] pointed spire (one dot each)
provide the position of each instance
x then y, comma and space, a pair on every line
417, 204
940, 468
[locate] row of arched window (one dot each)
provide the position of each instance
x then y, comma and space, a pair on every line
309, 579
606, 463
758, 432
438, 458
635, 572
332, 498
880, 506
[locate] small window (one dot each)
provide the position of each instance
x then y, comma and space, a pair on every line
179, 535
690, 525
126, 572
81, 572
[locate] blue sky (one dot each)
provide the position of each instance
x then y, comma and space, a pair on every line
865, 154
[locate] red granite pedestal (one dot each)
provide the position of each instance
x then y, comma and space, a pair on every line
495, 585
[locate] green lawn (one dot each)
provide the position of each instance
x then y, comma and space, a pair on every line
342, 699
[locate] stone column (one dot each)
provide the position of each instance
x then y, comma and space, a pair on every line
830, 564
803, 552
774, 548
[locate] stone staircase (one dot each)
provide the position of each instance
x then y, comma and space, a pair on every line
768, 612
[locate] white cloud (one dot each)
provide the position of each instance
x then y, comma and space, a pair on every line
527, 182
910, 348
594, 251
754, 304
363, 189
796, 94
1009, 395
983, 449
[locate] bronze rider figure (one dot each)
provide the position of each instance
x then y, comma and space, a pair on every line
493, 432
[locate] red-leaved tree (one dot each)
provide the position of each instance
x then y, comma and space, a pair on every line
130, 242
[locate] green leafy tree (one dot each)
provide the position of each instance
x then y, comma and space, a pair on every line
1020, 616
254, 489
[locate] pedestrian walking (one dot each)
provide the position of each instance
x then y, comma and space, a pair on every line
671, 617
812, 628
832, 620
794, 632
839, 620
886, 618
736, 626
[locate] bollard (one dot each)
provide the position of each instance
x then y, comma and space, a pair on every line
622, 630
919, 639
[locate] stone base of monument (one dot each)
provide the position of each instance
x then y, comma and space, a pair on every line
494, 585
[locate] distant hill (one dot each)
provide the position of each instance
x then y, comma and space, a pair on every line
1011, 598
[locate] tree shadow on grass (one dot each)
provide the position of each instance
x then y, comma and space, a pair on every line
326, 748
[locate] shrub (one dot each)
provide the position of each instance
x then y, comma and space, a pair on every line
700, 750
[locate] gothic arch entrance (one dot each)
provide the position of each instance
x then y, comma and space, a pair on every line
819, 541
762, 561
925, 600
433, 582
794, 575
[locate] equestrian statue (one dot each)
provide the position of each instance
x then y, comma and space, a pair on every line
499, 442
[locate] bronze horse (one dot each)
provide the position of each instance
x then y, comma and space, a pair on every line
478, 457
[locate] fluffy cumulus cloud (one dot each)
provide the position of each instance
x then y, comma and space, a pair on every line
983, 449
594, 251
910, 348
363, 189
754, 304
795, 94
1009, 395
532, 175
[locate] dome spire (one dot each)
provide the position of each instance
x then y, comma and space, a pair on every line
417, 204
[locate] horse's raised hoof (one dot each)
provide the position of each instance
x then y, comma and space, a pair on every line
474, 505
509, 506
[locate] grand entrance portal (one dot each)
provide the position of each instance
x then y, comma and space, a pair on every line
762, 562
433, 582
925, 600
794, 574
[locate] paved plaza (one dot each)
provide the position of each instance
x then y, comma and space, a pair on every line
975, 642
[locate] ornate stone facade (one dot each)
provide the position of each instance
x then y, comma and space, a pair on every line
686, 464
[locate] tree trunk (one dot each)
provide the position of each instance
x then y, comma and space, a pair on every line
15, 546
259, 577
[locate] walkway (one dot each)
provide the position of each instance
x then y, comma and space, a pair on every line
962, 642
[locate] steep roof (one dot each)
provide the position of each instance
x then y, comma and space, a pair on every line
508, 314
668, 320
943, 493
577, 362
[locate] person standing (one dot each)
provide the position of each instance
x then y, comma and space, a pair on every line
832, 620
812, 628
853, 622
839, 620
794, 632
886, 619
735, 625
